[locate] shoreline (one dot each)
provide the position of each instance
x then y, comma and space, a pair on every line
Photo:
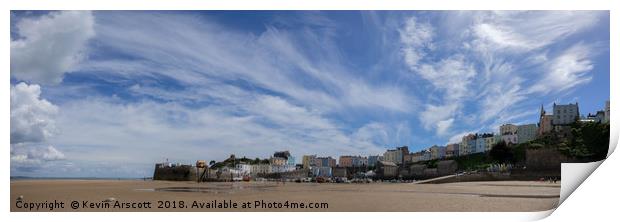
385, 196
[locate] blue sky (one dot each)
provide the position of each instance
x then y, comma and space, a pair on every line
109, 93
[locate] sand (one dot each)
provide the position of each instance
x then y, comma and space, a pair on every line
469, 196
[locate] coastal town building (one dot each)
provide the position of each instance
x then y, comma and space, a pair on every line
396, 155
260, 169
545, 122
352, 161
244, 169
468, 144
472, 144
282, 161
299, 166
386, 169
599, 117
437, 152
359, 161
325, 161
408, 158
452, 150
393, 156
339, 172
509, 133
282, 168
484, 142
489, 141
308, 161
480, 144
372, 160
277, 161
345, 161
230, 172
322, 171
607, 113
290, 160
416, 157
426, 155
526, 133
565, 114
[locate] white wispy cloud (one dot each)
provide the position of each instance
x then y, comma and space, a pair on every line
373, 133
497, 97
498, 61
275, 59
567, 70
416, 37
451, 76
156, 130
529, 30
438, 117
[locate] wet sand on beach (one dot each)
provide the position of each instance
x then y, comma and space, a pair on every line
466, 196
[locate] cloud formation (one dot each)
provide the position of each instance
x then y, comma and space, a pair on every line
151, 84
495, 62
304, 66
32, 124
522, 31
50, 45
569, 69
154, 131
416, 37
32, 118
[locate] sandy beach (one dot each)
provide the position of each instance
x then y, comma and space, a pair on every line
133, 195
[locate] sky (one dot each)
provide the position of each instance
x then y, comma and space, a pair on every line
110, 93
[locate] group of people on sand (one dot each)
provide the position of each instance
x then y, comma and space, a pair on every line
283, 181
549, 179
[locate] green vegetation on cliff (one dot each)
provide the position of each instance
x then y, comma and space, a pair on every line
231, 161
582, 141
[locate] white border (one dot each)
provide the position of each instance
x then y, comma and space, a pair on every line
588, 206
313, 5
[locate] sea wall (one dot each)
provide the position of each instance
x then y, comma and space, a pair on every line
176, 173
482, 176
421, 171
287, 175
548, 160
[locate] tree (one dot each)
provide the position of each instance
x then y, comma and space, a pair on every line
431, 164
590, 141
519, 152
502, 153
211, 162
